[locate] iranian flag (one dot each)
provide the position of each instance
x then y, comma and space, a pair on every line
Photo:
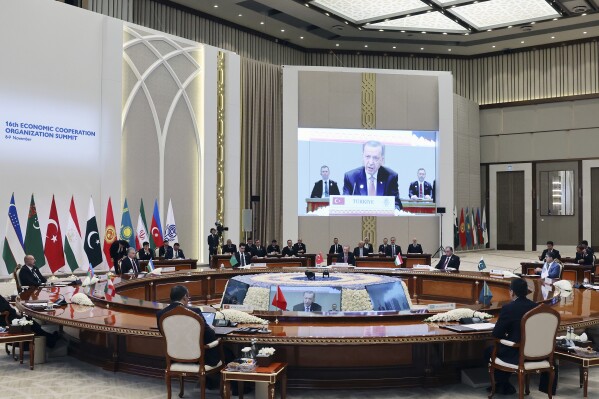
398, 260
91, 244
13, 251
109, 233
142, 214
33, 236
53, 247
141, 233
73, 245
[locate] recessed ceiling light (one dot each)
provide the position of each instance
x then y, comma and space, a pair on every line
301, 37
553, 37
533, 22
493, 46
584, 33
381, 30
522, 42
509, 27
282, 30
327, 14
346, 23
448, 49
489, 30
394, 46
403, 31
554, 19
307, 5
216, 6
421, 48
583, 14
262, 23
240, 15
365, 45
466, 34
444, 33
424, 33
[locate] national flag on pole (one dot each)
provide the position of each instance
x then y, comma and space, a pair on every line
150, 266
92, 237
142, 215
33, 237
156, 229
53, 248
462, 230
485, 295
170, 229
481, 265
468, 230
319, 258
279, 300
398, 260
13, 250
483, 225
127, 233
73, 245
109, 233
233, 261
90, 272
109, 290
456, 229
474, 230
479, 229
142, 234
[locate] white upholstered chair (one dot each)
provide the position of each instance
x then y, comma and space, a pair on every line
183, 331
536, 347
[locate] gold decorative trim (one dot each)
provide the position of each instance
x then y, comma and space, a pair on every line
220, 138
368, 104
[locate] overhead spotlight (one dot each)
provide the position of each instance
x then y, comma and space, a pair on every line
522, 42
381, 30
394, 46
282, 30
533, 22
493, 46
240, 15
444, 33
448, 49
327, 14
301, 37
584, 33
554, 19
553, 37
424, 33
336, 44
262, 23
216, 6
583, 14
509, 27
489, 30
346, 23
421, 48
365, 45
403, 31
307, 5
466, 34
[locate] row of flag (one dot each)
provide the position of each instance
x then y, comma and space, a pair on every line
74, 250
470, 230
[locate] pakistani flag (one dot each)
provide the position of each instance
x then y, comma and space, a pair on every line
481, 264
127, 232
13, 251
73, 245
92, 246
33, 237
142, 214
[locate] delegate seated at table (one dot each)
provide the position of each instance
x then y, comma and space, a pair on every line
550, 269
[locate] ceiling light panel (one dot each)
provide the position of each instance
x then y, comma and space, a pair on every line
361, 11
446, 3
428, 22
498, 13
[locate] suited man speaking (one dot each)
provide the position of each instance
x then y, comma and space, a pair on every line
372, 179
448, 260
420, 189
324, 187
308, 305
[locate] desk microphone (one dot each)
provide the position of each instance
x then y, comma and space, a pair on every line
353, 191
220, 322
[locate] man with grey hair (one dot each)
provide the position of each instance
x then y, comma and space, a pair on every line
308, 305
373, 178
129, 264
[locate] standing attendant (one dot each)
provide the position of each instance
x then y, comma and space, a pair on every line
414, 247
324, 187
336, 247
213, 242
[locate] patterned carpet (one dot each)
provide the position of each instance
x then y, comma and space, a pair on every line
68, 378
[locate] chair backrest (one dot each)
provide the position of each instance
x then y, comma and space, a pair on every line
539, 329
184, 333
15, 274
561, 268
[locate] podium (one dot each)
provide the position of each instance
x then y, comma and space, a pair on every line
313, 204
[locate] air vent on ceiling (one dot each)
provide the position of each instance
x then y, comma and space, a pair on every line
338, 28
580, 9
526, 28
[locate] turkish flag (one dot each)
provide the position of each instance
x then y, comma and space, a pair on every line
109, 233
319, 258
53, 248
279, 300
462, 230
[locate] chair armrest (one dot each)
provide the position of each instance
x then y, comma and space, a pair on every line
509, 343
213, 344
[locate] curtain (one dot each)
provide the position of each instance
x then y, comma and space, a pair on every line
262, 146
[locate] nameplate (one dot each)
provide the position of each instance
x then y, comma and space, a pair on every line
440, 307
168, 269
242, 308
496, 271
362, 205
258, 265
421, 267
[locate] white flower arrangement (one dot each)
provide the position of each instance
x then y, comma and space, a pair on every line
81, 299
88, 282
52, 278
22, 322
355, 300
564, 288
266, 351
238, 316
257, 298
457, 314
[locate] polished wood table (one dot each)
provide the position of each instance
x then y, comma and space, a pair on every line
584, 363
271, 375
572, 271
376, 260
21, 338
307, 260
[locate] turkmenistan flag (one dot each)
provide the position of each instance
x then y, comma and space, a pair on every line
73, 245
233, 261
92, 246
33, 237
142, 213
12, 250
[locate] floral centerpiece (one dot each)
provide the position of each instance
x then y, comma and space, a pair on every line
457, 314
22, 325
264, 357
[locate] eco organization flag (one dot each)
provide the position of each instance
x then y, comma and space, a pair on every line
170, 229
13, 251
73, 245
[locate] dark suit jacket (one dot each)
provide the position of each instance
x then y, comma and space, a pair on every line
260, 252
5, 307
357, 252
339, 249
127, 265
297, 247
453, 262
27, 277
317, 190
229, 249
556, 254
273, 248
355, 183
390, 250
415, 249
212, 355
586, 257
250, 249
413, 190
369, 248
212, 244
508, 326
313, 308
179, 255
288, 251
143, 256
117, 255
383, 248
166, 255
351, 259
248, 259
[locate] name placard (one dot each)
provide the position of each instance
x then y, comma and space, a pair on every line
362, 205
168, 269
242, 308
422, 267
440, 307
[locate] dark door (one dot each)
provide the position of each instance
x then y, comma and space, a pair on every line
595, 208
510, 210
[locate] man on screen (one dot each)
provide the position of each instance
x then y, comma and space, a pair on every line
308, 305
372, 179
324, 187
420, 189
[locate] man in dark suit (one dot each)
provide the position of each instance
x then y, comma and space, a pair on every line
336, 247
325, 187
383, 246
180, 297
177, 251
289, 250
360, 251
448, 260
368, 245
273, 248
420, 189
299, 247
166, 251
414, 247
213, 242
35, 327
145, 253
118, 250
243, 258
550, 248
583, 257
129, 264
229, 248
346, 256
372, 178
308, 305
508, 327
259, 250
393, 249
30, 276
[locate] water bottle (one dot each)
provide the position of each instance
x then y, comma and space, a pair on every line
222, 265
254, 351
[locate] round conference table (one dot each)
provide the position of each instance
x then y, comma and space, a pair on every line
331, 350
